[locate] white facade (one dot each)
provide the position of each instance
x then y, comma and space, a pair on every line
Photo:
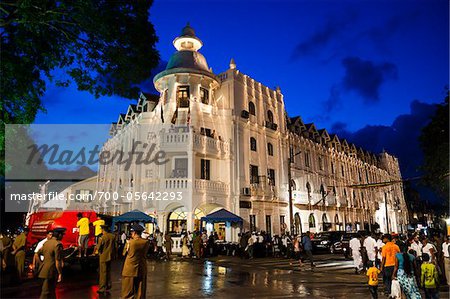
227, 140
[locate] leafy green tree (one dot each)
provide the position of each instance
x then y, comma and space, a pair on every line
434, 141
105, 47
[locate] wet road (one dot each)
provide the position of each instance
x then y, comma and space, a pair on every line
222, 277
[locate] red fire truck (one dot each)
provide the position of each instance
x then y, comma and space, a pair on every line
41, 222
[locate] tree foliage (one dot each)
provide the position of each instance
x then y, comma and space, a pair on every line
105, 47
434, 141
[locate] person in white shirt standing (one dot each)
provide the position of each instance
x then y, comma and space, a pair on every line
371, 247
355, 246
446, 253
429, 249
380, 245
417, 247
37, 260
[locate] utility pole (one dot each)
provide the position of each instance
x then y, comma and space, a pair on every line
387, 216
291, 200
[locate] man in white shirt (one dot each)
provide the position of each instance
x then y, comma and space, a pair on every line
380, 245
446, 253
123, 238
429, 249
417, 247
371, 247
39, 259
355, 246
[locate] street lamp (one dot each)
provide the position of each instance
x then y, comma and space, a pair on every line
291, 208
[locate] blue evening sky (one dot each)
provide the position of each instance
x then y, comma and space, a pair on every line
353, 62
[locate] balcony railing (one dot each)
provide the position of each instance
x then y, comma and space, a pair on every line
206, 186
210, 145
175, 138
175, 183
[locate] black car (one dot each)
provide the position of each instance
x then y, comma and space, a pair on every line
342, 246
325, 242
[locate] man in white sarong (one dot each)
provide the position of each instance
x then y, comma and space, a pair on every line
355, 246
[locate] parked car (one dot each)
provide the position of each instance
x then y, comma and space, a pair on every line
342, 246
325, 242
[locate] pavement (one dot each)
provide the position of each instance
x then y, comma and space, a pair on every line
220, 277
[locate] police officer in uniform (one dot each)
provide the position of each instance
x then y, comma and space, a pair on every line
106, 249
19, 252
134, 273
51, 269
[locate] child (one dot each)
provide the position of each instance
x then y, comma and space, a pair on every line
429, 278
372, 273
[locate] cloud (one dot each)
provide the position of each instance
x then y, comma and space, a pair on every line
334, 99
365, 77
321, 38
399, 139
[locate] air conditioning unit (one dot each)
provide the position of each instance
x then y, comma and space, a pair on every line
245, 114
246, 191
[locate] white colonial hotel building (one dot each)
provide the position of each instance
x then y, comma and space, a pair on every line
228, 140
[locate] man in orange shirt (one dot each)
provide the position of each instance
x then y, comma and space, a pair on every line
388, 252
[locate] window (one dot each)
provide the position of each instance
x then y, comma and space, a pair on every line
307, 162
269, 116
84, 195
149, 173
204, 95
293, 185
342, 170
320, 163
183, 96
251, 108
205, 169
254, 176
322, 191
253, 144
271, 176
367, 176
308, 189
205, 132
181, 168
270, 149
312, 221
252, 223
269, 225
332, 167
166, 97
291, 155
282, 223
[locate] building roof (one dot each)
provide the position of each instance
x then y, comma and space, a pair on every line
186, 59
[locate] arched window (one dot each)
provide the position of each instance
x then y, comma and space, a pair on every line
293, 185
177, 221
322, 191
269, 116
308, 188
297, 224
253, 144
270, 149
336, 219
312, 221
362, 200
355, 203
325, 218
251, 108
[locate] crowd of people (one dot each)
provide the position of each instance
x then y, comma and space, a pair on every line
407, 262
411, 261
